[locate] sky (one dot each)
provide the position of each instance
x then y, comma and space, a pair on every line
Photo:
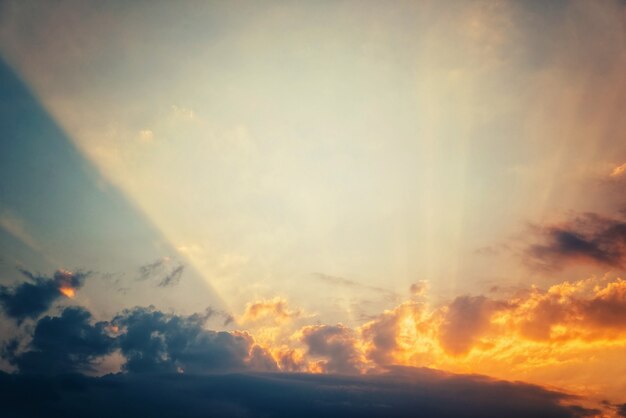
386, 196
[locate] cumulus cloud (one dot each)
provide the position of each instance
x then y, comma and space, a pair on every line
34, 297
150, 341
589, 238
153, 341
385, 335
65, 344
336, 344
465, 320
397, 393
533, 324
531, 330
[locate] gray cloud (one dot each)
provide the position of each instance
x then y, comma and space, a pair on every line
589, 238
166, 270
64, 344
153, 341
336, 344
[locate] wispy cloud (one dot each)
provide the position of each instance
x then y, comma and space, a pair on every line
167, 271
340, 281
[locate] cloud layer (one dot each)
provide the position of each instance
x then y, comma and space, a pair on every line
508, 337
398, 393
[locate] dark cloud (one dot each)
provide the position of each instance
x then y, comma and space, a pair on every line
336, 344
166, 270
64, 344
31, 299
151, 341
154, 341
589, 238
399, 393
621, 410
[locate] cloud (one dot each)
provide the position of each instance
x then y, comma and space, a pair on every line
464, 320
618, 171
167, 270
398, 393
65, 344
586, 309
31, 299
336, 344
589, 238
530, 329
419, 288
173, 277
274, 310
149, 340
340, 281
569, 335
385, 335
153, 341
580, 312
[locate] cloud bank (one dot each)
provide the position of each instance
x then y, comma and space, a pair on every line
504, 337
397, 393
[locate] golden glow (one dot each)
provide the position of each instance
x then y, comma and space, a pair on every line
619, 170
567, 336
68, 292
274, 310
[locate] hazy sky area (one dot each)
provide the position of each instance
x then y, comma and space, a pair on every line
344, 185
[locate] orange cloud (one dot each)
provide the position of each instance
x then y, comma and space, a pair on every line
337, 345
274, 310
568, 336
68, 292
618, 171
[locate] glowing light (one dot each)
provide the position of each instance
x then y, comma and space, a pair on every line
619, 170
68, 292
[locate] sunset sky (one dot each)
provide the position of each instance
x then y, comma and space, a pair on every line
283, 196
